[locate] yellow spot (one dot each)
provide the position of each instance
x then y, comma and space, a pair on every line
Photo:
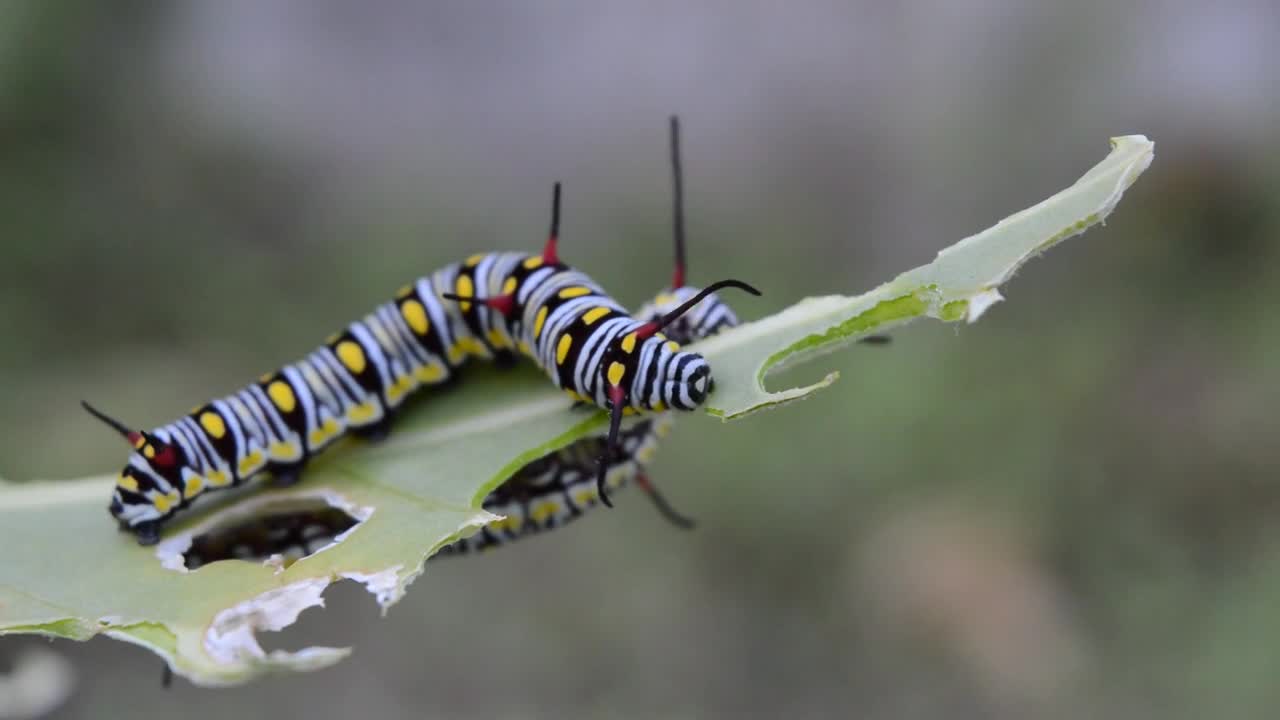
213, 424
524, 347
585, 496
629, 343
359, 414
575, 395
351, 355
128, 482
629, 410
645, 454
509, 287
673, 346
282, 395
467, 346
562, 349
398, 389
285, 451
217, 477
331, 339
264, 377
497, 339
573, 292
251, 462
195, 484
594, 314
474, 260
164, 502
149, 452
404, 292
464, 288
532, 262
616, 372
509, 522
324, 433
665, 299
137, 444
429, 373
456, 354
416, 316
538, 321
543, 512
659, 406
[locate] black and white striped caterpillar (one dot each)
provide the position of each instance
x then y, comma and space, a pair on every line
491, 306
544, 495
559, 487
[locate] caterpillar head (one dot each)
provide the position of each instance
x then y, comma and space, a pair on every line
148, 489
646, 370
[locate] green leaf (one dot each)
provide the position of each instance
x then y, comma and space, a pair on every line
960, 284
65, 573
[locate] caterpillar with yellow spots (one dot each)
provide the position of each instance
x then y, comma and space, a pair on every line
491, 306
559, 487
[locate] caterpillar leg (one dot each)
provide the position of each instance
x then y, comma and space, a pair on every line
505, 359
283, 476
375, 433
148, 533
683, 522
166, 677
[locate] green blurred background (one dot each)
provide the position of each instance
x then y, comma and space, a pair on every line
1066, 510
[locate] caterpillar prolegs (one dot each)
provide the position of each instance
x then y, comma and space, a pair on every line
491, 306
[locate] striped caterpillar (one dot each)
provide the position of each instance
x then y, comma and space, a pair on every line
546, 494
556, 489
491, 306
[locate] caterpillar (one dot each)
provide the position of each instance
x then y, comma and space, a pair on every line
558, 488
491, 306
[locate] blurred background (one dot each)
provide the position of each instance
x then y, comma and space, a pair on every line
1066, 510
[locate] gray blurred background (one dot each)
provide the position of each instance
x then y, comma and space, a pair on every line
1066, 510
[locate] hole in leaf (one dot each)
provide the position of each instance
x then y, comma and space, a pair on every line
343, 621
287, 530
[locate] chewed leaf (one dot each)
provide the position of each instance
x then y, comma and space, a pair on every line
374, 514
67, 573
960, 284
